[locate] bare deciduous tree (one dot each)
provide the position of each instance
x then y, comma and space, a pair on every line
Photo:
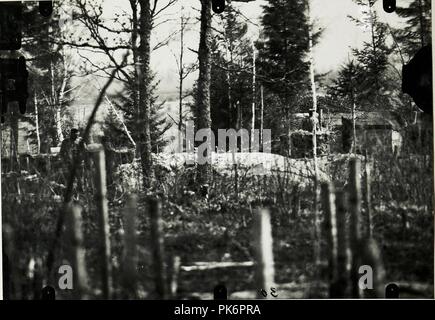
126, 32
183, 71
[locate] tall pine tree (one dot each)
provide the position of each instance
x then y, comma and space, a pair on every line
417, 31
283, 67
372, 79
231, 70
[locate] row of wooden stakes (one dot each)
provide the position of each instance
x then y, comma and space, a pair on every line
349, 243
349, 238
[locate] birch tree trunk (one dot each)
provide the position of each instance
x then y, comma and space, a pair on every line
60, 101
118, 116
261, 115
38, 137
180, 88
253, 95
317, 226
230, 84
54, 104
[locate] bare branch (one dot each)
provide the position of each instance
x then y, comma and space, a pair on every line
155, 12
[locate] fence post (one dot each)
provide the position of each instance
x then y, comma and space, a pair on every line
236, 175
103, 221
328, 200
368, 197
6, 269
355, 222
37, 279
10, 279
342, 245
263, 251
130, 248
77, 251
296, 201
236, 180
157, 245
175, 270
371, 256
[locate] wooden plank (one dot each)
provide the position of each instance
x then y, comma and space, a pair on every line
200, 266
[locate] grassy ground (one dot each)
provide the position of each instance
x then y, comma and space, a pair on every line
217, 227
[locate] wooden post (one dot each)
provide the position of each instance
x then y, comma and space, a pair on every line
11, 283
103, 221
353, 127
130, 248
340, 287
157, 244
371, 256
236, 175
77, 251
296, 201
37, 278
175, 270
6, 272
320, 118
28, 155
355, 221
328, 200
367, 196
265, 273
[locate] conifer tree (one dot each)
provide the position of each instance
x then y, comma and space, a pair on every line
231, 70
417, 31
124, 101
283, 66
372, 58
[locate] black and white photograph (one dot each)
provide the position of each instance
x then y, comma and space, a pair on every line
216, 150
